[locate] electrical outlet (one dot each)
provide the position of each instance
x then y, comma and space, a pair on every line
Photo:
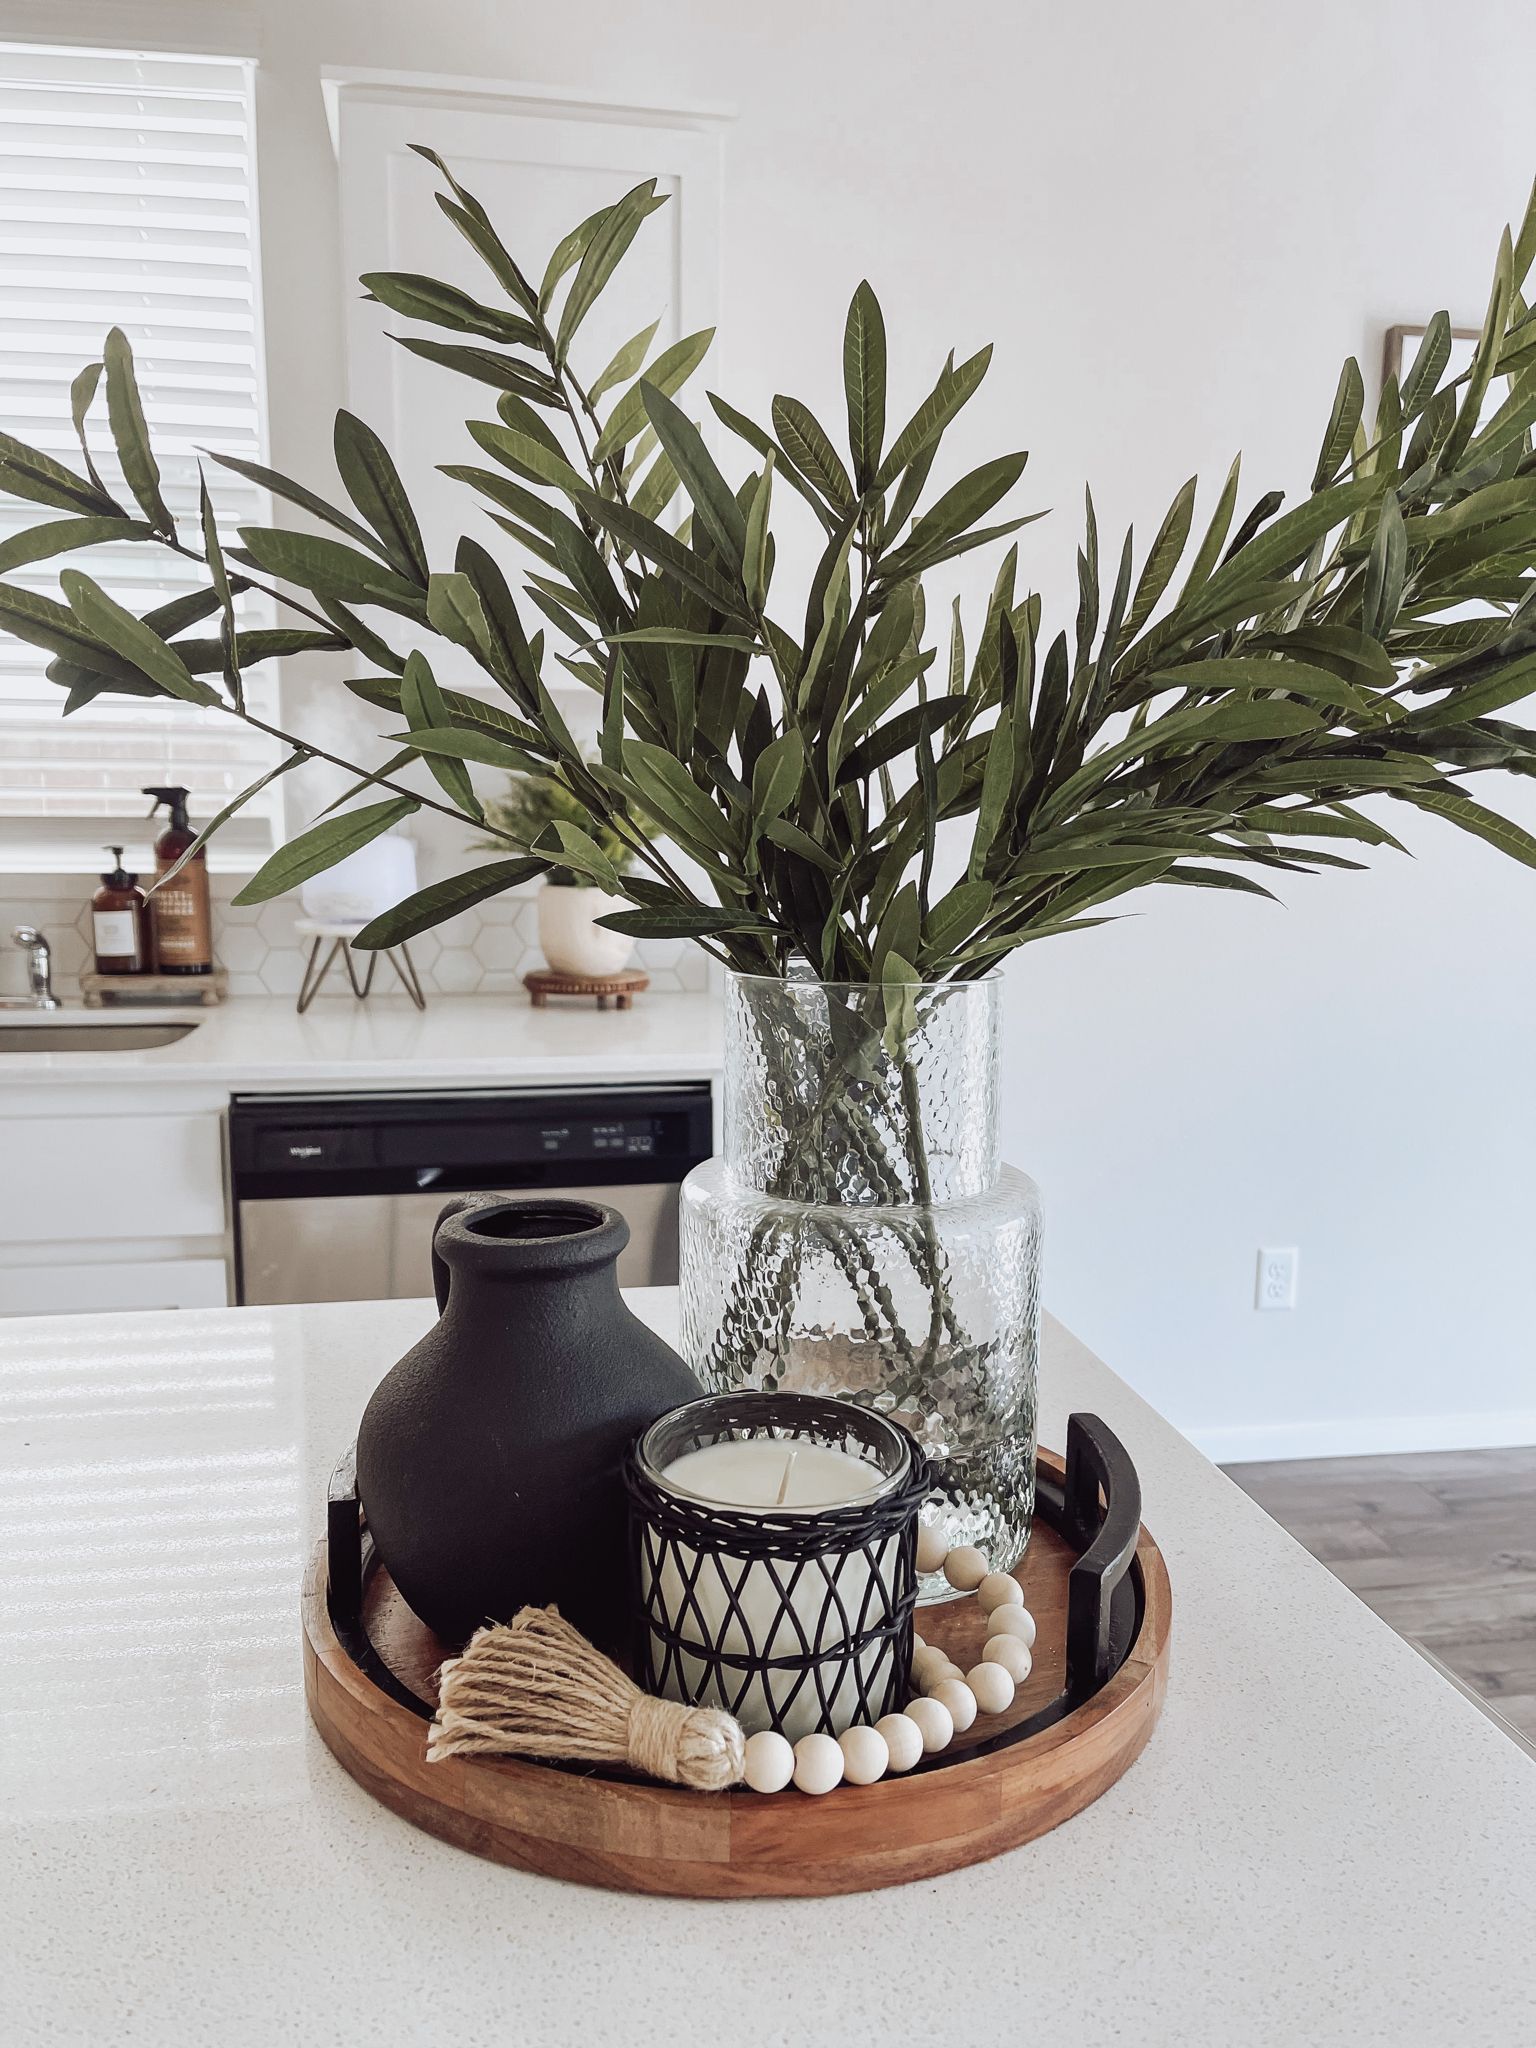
1275, 1282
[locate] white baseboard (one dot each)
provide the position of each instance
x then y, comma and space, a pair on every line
1365, 1436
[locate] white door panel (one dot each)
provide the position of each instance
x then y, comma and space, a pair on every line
539, 166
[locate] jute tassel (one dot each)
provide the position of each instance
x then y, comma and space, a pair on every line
536, 1687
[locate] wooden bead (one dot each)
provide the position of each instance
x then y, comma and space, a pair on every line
956, 1697
768, 1760
865, 1755
965, 1568
1013, 1621
932, 1547
999, 1589
818, 1764
1011, 1654
917, 1643
929, 1663
939, 1674
993, 1688
903, 1740
933, 1723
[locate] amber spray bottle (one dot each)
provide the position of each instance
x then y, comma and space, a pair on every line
181, 917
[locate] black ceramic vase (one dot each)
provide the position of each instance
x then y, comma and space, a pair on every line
488, 1461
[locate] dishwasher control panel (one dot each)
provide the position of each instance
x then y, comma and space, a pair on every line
283, 1145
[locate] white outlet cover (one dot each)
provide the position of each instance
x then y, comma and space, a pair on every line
1274, 1284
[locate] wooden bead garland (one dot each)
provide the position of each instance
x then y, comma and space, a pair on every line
993, 1686
865, 1756
948, 1701
768, 1761
1011, 1654
535, 1687
960, 1701
818, 1763
903, 1741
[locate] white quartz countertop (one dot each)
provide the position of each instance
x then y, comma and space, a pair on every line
1324, 1844
455, 1041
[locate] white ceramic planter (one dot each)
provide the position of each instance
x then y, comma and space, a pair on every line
572, 942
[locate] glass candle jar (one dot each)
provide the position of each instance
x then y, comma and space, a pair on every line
773, 1542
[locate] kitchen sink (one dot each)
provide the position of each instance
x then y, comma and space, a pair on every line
27, 1034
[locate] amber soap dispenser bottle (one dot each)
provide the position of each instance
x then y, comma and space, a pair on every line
119, 929
181, 919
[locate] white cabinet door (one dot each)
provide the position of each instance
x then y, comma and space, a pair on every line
85, 1289
91, 1179
540, 165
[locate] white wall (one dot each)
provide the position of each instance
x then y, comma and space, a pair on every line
1174, 221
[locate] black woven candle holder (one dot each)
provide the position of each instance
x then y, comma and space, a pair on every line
795, 1619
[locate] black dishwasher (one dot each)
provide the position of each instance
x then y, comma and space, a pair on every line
334, 1196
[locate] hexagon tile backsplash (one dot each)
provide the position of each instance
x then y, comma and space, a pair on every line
484, 951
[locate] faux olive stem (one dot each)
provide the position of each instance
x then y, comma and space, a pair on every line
427, 803
834, 1121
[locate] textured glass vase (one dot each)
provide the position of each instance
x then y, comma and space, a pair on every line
857, 1236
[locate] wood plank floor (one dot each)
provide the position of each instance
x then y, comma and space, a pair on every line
1441, 1544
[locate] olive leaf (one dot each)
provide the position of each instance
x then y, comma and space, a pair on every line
30, 474
131, 638
125, 414
624, 364
373, 484
421, 704
439, 901
443, 305
63, 536
864, 371
322, 846
670, 371
610, 238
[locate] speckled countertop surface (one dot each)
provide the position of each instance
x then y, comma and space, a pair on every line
1324, 1844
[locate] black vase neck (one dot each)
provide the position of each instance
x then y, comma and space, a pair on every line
535, 1240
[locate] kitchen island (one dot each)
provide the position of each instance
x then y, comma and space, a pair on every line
1324, 1843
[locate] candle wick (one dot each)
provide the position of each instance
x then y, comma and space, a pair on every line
784, 1482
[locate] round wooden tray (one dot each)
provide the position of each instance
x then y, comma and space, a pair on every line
988, 1792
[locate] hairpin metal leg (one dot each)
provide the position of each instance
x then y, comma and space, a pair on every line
359, 988
309, 988
400, 959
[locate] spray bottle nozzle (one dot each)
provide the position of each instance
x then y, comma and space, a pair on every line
174, 797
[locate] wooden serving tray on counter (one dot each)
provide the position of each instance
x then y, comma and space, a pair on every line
196, 991
1092, 1576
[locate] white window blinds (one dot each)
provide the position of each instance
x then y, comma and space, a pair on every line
127, 199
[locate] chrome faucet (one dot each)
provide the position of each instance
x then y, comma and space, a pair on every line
39, 970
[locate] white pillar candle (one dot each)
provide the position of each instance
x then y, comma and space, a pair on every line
765, 1472
781, 1476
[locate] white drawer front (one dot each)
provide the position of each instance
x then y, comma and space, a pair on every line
88, 1289
77, 1179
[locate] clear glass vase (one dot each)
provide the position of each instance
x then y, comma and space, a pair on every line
857, 1236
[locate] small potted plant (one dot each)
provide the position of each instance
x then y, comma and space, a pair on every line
572, 940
